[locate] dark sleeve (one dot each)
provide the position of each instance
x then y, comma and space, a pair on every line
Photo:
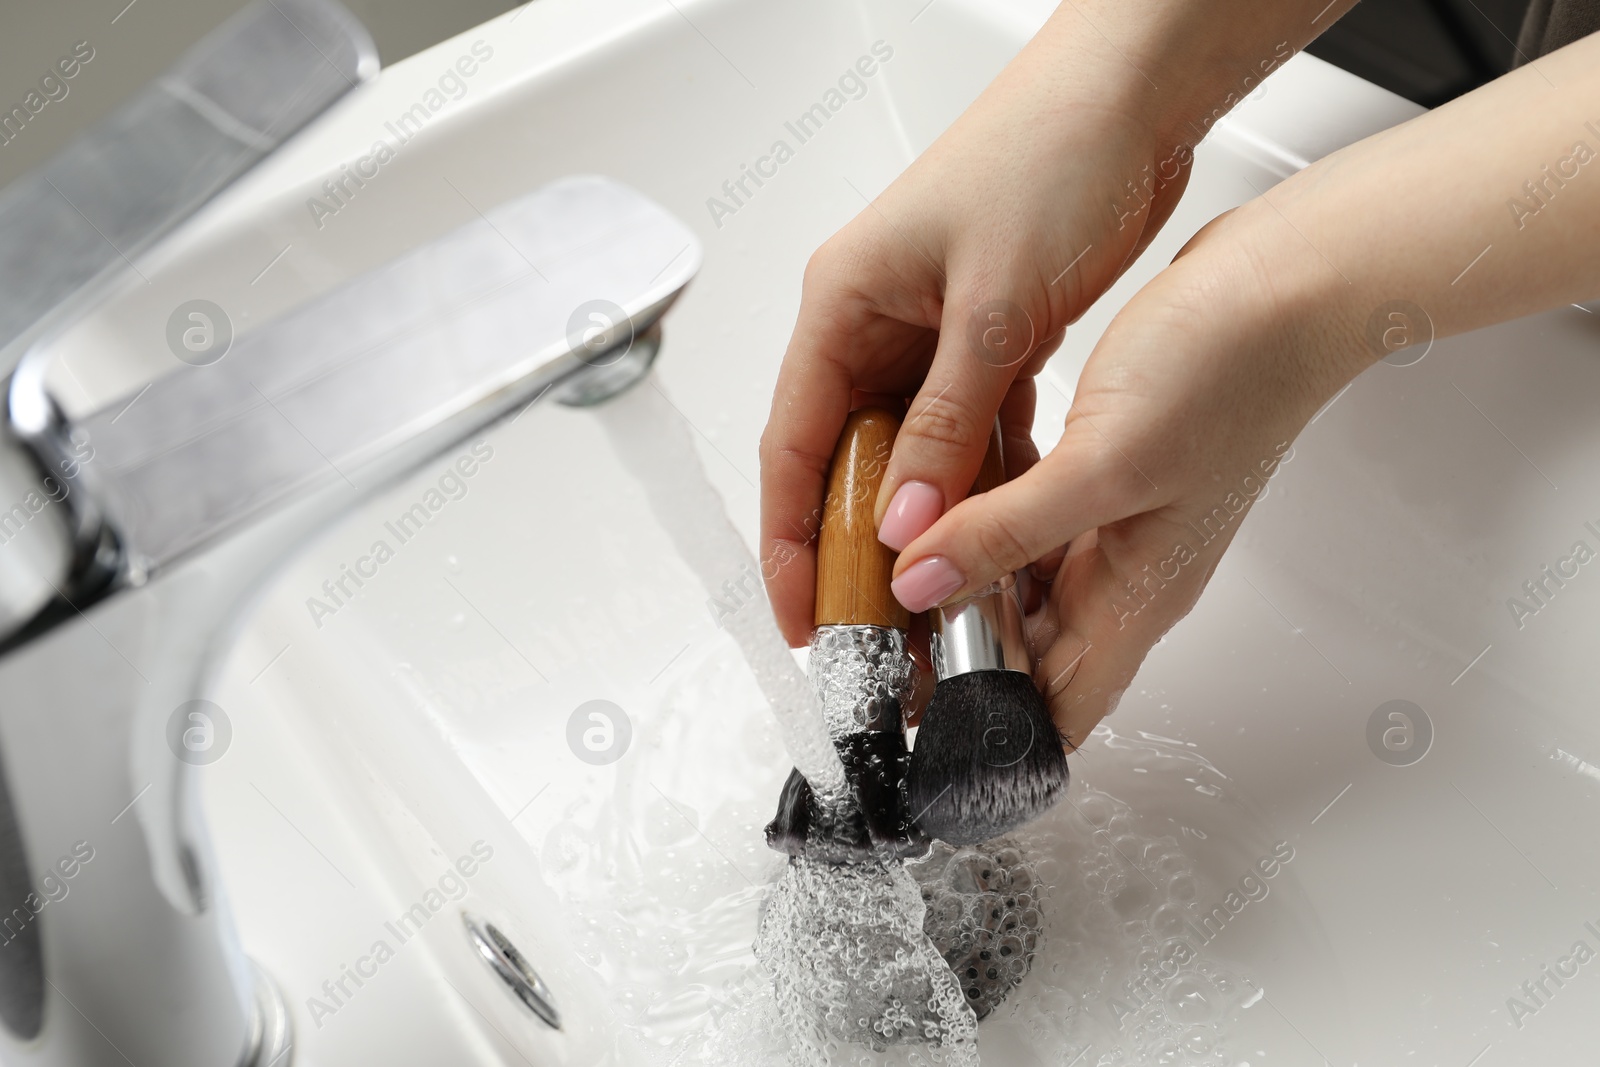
1552, 24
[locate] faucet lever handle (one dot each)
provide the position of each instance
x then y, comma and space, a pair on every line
378, 376
71, 227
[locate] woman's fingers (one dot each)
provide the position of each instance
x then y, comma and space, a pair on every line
844, 348
810, 402
796, 450
1077, 487
982, 348
1111, 603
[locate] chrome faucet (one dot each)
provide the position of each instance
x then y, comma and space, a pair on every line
131, 537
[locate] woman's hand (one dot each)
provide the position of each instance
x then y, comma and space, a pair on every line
1187, 406
1197, 388
952, 287
955, 285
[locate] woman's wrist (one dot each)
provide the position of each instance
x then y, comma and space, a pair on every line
1275, 303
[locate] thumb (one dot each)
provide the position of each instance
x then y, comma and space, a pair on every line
1081, 485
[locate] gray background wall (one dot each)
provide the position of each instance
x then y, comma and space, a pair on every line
1426, 50
132, 44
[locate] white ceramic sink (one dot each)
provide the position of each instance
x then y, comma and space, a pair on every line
427, 715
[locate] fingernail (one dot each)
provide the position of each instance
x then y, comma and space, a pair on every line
915, 507
926, 583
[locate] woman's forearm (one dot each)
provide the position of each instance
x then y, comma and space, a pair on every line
1483, 210
1175, 66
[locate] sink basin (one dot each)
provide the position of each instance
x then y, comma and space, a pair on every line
1336, 819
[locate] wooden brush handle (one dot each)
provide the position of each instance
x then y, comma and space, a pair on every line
992, 474
853, 566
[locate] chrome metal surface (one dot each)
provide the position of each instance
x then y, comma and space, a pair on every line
497, 951
35, 539
614, 372
980, 633
378, 376
231, 100
143, 966
272, 1031
863, 676
130, 537
202, 484
69, 232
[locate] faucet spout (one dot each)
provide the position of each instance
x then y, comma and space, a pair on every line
147, 525
172, 506
347, 393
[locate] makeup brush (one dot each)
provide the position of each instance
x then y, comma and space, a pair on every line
844, 932
988, 758
863, 930
860, 667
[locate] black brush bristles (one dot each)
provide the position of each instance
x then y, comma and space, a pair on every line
988, 758
878, 828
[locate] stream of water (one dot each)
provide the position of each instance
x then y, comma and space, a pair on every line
1116, 951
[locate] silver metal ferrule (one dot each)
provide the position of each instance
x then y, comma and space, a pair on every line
982, 632
863, 676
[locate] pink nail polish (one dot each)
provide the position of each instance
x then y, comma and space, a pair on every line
915, 507
926, 583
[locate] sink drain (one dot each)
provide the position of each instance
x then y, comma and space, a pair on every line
272, 1028
503, 958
